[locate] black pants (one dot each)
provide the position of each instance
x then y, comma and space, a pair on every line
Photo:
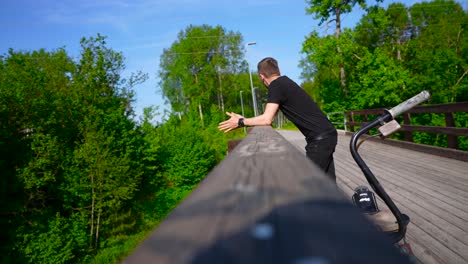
321, 153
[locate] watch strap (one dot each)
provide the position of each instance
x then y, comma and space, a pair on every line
240, 123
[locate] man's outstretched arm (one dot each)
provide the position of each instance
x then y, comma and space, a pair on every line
264, 119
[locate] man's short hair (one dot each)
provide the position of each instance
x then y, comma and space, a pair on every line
268, 67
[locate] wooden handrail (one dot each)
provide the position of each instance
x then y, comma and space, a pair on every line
266, 203
437, 108
453, 131
450, 130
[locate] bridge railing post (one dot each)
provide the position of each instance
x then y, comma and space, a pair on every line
330, 114
452, 140
407, 121
451, 131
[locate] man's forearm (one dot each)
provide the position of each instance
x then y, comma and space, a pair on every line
260, 120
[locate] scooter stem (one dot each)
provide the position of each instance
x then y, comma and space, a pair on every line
372, 180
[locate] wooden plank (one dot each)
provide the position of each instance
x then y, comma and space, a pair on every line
418, 177
448, 168
443, 152
439, 229
433, 238
441, 108
446, 171
454, 131
452, 141
403, 180
427, 217
421, 109
428, 170
265, 203
407, 121
448, 110
378, 111
420, 251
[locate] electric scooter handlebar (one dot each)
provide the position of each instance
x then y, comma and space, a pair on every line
410, 103
402, 219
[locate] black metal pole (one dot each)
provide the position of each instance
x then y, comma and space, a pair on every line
374, 183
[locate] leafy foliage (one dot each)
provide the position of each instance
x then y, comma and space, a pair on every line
391, 55
203, 67
81, 178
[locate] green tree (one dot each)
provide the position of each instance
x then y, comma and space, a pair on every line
33, 112
424, 43
438, 56
70, 151
323, 10
199, 66
388, 29
323, 64
55, 244
392, 54
381, 82
104, 172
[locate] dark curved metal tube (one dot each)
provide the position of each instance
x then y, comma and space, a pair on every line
374, 183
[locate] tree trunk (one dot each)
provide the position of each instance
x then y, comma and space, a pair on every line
221, 92
458, 41
97, 229
398, 48
338, 22
99, 216
201, 114
343, 79
92, 212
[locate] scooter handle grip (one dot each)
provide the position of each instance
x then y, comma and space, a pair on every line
410, 103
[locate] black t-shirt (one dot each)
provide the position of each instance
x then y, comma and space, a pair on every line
298, 107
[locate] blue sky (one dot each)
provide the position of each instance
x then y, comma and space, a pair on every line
141, 29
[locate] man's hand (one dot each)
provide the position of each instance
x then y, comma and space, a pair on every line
231, 123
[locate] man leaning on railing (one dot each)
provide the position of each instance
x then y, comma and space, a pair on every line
299, 108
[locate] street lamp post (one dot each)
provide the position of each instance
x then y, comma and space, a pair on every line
254, 99
255, 96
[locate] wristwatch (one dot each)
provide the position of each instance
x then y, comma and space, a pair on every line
240, 123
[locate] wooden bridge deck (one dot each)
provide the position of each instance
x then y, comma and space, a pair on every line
431, 190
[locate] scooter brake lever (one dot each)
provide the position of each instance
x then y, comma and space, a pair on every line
389, 128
